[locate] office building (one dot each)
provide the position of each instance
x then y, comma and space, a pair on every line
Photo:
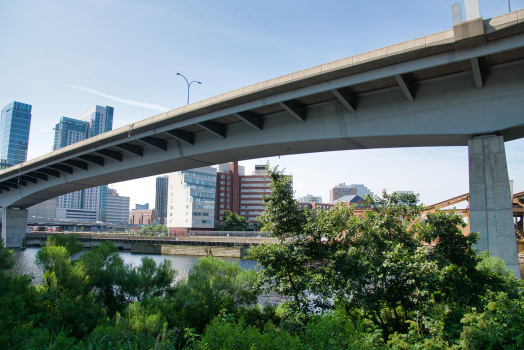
142, 217
191, 201
141, 206
43, 210
241, 194
161, 197
68, 131
117, 207
342, 190
310, 199
15, 121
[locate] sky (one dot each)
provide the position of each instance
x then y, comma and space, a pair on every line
63, 57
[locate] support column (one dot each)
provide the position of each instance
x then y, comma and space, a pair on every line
14, 222
491, 207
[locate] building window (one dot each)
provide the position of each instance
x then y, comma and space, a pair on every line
222, 188
228, 188
228, 177
222, 194
221, 205
228, 200
222, 176
228, 206
170, 214
221, 199
228, 194
228, 183
222, 182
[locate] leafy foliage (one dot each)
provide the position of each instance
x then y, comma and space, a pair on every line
233, 222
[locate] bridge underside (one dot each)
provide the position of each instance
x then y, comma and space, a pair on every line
457, 91
447, 111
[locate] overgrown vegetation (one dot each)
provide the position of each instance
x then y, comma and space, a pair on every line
348, 282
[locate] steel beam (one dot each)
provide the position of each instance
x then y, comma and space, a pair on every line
295, 110
37, 175
110, 154
4, 188
344, 99
9, 184
16, 181
64, 168
50, 172
76, 163
92, 159
183, 136
250, 119
29, 178
134, 149
214, 128
155, 142
476, 72
404, 87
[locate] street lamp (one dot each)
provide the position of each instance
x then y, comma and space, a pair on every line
188, 85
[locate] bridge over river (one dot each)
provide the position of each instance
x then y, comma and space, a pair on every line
460, 87
232, 245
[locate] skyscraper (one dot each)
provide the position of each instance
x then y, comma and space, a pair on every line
92, 122
161, 197
15, 121
69, 131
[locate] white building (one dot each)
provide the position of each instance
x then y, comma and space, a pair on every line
191, 200
311, 199
117, 207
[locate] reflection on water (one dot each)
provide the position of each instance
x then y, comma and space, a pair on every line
25, 263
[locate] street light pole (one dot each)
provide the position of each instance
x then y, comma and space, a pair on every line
188, 85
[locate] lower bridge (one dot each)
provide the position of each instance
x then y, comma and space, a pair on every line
219, 246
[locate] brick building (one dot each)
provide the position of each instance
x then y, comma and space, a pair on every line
142, 217
239, 193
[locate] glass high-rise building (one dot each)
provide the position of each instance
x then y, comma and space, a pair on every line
161, 196
92, 122
15, 121
69, 131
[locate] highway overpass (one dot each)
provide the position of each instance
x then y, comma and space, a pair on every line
460, 87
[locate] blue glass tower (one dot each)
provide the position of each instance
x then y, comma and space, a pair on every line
69, 131
15, 121
92, 122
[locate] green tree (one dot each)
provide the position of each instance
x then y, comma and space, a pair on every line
233, 222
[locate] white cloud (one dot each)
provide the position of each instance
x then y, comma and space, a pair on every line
114, 98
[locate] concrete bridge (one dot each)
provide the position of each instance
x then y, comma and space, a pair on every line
460, 87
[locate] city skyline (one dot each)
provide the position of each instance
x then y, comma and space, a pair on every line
67, 78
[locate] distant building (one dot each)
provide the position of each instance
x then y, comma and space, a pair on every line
191, 200
68, 131
43, 210
351, 199
310, 199
161, 197
76, 214
117, 207
15, 121
142, 206
241, 194
142, 217
342, 190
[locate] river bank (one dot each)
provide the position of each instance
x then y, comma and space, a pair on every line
25, 263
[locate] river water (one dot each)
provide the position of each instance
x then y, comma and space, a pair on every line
25, 263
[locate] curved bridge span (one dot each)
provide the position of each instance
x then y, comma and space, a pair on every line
461, 87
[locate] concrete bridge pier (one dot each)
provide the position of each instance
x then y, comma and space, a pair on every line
491, 208
14, 223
